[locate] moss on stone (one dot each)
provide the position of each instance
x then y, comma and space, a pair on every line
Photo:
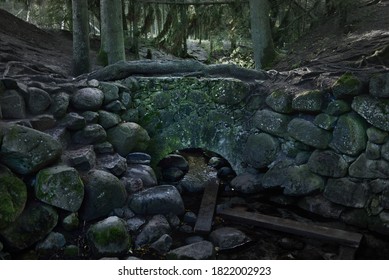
347, 85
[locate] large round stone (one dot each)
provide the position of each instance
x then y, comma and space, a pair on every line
128, 137
157, 200
308, 133
87, 99
109, 237
38, 100
25, 150
261, 150
13, 197
60, 186
328, 163
373, 110
103, 193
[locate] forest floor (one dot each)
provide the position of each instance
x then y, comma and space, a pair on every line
324, 48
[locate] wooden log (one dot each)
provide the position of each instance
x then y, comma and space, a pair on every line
342, 237
207, 207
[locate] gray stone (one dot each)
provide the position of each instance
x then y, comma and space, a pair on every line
157, 200
174, 160
172, 174
261, 150
73, 121
385, 151
379, 85
190, 218
60, 186
271, 122
103, 193
13, 197
308, 101
319, 205
115, 107
280, 101
328, 163
163, 244
25, 150
385, 197
43, 122
115, 164
36, 221
373, 110
277, 175
202, 250
71, 222
90, 117
173, 220
111, 92
193, 239
60, 134
143, 172
125, 99
108, 119
309, 134
109, 237
138, 158
349, 135
376, 135
300, 181
12, 105
132, 185
83, 159
87, 99
128, 137
379, 185
133, 224
226, 238
103, 148
152, 231
369, 169
193, 182
90, 134
51, 244
346, 192
338, 107
325, 121
247, 183
38, 100
60, 104
347, 85
380, 223
373, 151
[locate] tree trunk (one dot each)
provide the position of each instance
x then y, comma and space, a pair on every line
261, 33
112, 39
81, 61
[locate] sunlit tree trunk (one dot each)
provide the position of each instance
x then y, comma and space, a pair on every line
112, 39
81, 61
261, 33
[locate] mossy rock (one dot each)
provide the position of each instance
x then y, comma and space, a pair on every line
347, 85
13, 197
280, 101
308, 101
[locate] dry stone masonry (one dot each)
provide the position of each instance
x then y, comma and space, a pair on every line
87, 150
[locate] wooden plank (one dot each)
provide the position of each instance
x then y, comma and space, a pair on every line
342, 237
207, 207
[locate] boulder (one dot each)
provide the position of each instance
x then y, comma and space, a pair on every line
12, 105
142, 172
83, 159
301, 181
113, 163
13, 197
38, 100
373, 110
133, 224
108, 119
349, 135
261, 150
376, 135
202, 250
309, 134
227, 238
87, 99
174, 160
152, 231
328, 163
109, 237
369, 169
373, 151
325, 121
308, 101
347, 85
379, 85
128, 137
111, 92
346, 192
338, 107
157, 200
25, 150
103, 193
90, 134
138, 158
163, 244
60, 186
247, 183
36, 221
51, 244
73, 121
280, 101
60, 104
271, 122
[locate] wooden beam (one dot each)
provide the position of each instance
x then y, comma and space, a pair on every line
342, 237
207, 207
